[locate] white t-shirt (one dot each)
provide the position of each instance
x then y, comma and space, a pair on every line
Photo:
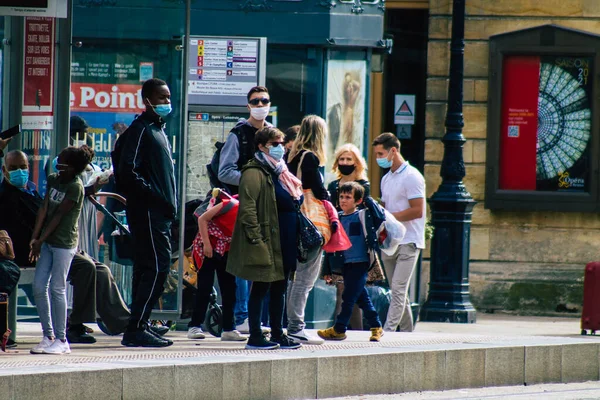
397, 188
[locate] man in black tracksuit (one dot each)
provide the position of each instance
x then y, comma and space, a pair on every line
147, 176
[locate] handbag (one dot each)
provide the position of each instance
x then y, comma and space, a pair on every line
313, 208
309, 237
7, 251
375, 271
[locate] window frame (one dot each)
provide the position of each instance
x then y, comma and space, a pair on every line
541, 41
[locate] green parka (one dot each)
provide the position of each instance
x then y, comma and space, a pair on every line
255, 252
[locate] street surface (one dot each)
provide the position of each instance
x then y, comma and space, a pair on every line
559, 391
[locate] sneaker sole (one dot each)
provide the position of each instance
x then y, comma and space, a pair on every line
234, 340
57, 354
309, 341
197, 337
290, 347
36, 352
130, 344
250, 347
333, 338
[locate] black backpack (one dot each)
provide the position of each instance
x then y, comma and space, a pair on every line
246, 153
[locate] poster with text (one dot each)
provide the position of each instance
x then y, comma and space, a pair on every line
546, 123
346, 88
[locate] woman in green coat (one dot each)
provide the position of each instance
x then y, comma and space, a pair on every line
263, 247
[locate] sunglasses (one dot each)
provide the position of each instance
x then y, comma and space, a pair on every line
275, 144
256, 102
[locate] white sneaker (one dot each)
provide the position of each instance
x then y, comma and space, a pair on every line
233, 336
195, 332
58, 347
245, 328
305, 338
38, 349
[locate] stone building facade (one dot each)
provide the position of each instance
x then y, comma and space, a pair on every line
521, 261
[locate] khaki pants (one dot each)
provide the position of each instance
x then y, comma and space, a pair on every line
399, 269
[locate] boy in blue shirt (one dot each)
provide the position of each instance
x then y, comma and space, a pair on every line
356, 262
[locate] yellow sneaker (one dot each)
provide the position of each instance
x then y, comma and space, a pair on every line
376, 334
331, 334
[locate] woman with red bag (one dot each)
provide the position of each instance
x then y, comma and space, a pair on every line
305, 158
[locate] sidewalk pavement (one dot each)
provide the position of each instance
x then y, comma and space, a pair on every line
498, 350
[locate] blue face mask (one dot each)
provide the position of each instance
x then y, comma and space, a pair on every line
384, 162
277, 152
18, 177
162, 109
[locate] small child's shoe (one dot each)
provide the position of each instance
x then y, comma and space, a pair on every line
331, 334
376, 334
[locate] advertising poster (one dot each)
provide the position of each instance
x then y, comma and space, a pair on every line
38, 96
346, 87
546, 123
106, 93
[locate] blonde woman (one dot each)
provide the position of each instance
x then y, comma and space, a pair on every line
348, 165
305, 158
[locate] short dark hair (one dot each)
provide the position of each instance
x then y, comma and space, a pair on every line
77, 157
354, 188
77, 124
257, 89
150, 86
387, 140
265, 134
291, 133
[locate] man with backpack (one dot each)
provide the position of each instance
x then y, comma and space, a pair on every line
238, 149
145, 174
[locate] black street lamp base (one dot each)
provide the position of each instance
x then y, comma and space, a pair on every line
443, 314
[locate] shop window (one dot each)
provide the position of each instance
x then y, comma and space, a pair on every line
542, 121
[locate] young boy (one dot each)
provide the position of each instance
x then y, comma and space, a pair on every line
354, 264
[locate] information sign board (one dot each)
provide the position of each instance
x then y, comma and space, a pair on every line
222, 70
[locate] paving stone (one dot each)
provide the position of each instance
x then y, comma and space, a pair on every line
88, 384
335, 370
247, 380
6, 383
294, 379
579, 363
139, 382
43, 386
465, 368
194, 382
505, 366
543, 364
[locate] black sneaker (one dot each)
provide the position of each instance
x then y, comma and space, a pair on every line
143, 339
11, 344
261, 343
78, 334
157, 335
285, 342
159, 330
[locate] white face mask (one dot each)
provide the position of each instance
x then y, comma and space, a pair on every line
259, 113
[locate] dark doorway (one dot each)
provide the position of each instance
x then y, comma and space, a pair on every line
406, 73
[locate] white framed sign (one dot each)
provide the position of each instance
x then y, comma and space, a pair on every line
404, 109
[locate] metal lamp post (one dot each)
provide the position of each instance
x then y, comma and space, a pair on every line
452, 205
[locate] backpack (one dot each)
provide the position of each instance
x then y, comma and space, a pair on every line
246, 153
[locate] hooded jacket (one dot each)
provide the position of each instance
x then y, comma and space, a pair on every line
255, 252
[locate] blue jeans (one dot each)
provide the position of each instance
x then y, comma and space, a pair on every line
242, 293
50, 289
355, 278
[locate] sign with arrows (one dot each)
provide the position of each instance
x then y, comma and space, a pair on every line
404, 109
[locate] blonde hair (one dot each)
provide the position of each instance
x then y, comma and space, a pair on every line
311, 137
359, 161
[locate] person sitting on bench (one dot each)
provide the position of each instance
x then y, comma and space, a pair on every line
94, 287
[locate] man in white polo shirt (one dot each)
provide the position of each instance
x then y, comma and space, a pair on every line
402, 194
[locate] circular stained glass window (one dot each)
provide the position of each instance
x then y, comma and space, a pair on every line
564, 121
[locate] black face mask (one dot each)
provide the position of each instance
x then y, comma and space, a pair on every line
346, 169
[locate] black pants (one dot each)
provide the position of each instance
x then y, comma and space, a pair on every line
206, 279
150, 235
258, 292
